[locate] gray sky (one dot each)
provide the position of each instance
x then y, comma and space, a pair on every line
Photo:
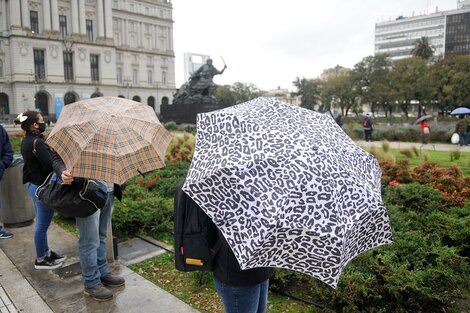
271, 42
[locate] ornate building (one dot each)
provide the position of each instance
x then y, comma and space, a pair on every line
55, 52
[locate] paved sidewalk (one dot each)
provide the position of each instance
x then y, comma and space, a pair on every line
420, 146
26, 290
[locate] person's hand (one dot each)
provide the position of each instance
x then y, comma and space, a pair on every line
66, 177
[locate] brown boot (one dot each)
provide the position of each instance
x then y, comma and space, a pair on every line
99, 292
112, 280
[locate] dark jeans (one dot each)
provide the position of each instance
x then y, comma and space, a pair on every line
367, 134
243, 299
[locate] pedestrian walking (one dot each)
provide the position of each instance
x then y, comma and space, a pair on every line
6, 154
367, 126
37, 166
425, 131
462, 129
92, 239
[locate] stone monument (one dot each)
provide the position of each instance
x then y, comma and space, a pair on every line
194, 96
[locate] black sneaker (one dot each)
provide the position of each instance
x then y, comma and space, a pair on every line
57, 257
47, 264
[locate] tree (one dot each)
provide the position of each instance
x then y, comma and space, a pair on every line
423, 49
450, 82
309, 92
244, 92
410, 82
341, 92
224, 95
371, 76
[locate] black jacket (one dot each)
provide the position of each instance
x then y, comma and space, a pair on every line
59, 166
227, 269
6, 151
36, 166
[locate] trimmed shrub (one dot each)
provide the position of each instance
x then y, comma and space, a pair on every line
170, 125
416, 197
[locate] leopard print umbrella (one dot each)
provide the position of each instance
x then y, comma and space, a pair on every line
287, 188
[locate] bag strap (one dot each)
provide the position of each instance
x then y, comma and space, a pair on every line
34, 147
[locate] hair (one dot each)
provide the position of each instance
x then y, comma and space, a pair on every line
32, 117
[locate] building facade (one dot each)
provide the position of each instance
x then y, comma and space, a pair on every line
444, 31
55, 52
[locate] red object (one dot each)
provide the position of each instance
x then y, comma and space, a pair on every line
182, 250
424, 124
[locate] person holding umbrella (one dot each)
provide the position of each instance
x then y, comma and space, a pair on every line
37, 166
240, 290
462, 129
93, 235
425, 129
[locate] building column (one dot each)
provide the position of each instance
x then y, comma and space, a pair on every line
170, 38
75, 27
81, 16
125, 33
46, 10
55, 15
3, 7
140, 35
15, 16
25, 13
108, 17
100, 18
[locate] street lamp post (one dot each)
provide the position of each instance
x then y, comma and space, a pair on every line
128, 84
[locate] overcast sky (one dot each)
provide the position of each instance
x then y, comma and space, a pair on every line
271, 42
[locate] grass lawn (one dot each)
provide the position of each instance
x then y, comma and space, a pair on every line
197, 288
441, 157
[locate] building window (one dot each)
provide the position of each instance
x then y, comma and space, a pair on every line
150, 77
68, 66
164, 78
95, 73
39, 67
89, 29
63, 25
135, 77
33, 16
1, 68
119, 75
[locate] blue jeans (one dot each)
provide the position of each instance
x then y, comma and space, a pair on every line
92, 232
43, 220
243, 299
463, 138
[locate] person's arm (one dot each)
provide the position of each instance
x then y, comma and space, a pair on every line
60, 169
44, 154
7, 151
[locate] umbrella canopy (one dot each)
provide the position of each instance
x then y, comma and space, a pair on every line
422, 118
287, 188
109, 138
460, 111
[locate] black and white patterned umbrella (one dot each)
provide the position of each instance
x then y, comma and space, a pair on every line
287, 188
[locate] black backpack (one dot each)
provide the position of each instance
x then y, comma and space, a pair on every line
196, 241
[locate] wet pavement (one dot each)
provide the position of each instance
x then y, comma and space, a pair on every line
27, 290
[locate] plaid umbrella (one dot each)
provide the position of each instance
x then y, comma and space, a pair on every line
109, 138
287, 188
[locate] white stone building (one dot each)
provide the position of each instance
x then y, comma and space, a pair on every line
55, 52
398, 37
192, 62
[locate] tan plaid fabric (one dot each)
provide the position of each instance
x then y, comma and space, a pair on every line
109, 138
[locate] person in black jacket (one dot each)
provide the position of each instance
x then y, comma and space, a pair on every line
92, 231
6, 157
37, 166
242, 291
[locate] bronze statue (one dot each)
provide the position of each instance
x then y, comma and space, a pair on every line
200, 82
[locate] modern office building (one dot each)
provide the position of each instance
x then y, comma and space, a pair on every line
193, 61
447, 32
55, 52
